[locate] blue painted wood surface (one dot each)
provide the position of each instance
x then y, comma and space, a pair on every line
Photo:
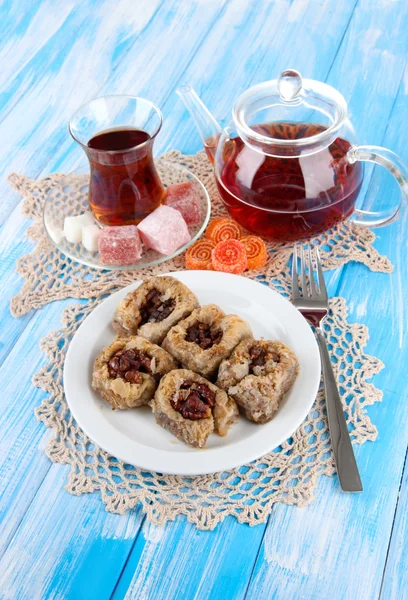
55, 56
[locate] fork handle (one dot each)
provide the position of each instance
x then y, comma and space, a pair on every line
344, 458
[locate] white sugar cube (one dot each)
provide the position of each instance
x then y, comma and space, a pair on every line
90, 237
73, 229
73, 226
87, 218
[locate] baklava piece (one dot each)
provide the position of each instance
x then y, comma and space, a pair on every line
202, 340
191, 408
127, 373
153, 308
257, 375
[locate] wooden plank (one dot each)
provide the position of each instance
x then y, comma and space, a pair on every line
66, 547
369, 67
13, 245
395, 583
340, 542
24, 465
177, 561
394, 239
26, 27
66, 71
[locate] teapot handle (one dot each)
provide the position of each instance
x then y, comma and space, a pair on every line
392, 162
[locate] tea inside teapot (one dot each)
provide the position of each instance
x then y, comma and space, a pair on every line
288, 166
288, 198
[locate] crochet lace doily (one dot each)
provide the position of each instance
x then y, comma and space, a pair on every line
287, 474
49, 275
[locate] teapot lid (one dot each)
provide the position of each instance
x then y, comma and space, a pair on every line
290, 98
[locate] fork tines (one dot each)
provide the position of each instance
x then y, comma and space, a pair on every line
310, 267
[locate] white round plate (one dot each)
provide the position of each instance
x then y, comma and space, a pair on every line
133, 436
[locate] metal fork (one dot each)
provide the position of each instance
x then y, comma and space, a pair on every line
313, 303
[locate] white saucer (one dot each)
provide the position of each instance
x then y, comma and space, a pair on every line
133, 436
68, 197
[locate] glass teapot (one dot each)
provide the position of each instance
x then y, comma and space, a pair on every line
288, 166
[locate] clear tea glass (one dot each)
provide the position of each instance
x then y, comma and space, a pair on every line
117, 135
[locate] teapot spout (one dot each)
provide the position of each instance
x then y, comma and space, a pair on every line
207, 126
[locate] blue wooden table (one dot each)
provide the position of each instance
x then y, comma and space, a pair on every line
54, 56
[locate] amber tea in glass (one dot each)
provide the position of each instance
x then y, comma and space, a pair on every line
117, 134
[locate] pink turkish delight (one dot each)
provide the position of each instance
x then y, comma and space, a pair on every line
120, 245
185, 198
164, 230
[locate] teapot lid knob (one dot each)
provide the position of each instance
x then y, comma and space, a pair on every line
289, 84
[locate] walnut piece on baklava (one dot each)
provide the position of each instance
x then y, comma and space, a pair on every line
207, 336
153, 308
257, 375
127, 372
191, 408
